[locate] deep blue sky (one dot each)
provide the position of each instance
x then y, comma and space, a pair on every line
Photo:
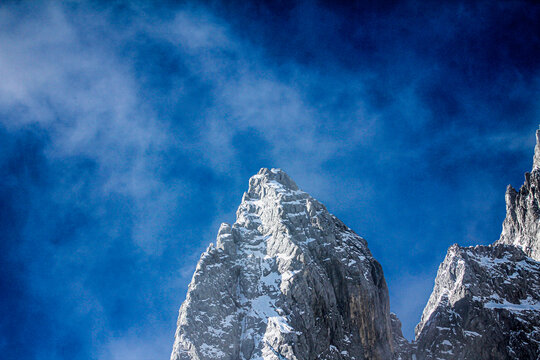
128, 133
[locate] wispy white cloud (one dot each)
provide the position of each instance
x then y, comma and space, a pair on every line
87, 100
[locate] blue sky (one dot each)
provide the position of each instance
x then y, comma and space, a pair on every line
128, 132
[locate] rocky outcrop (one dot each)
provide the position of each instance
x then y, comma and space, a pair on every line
287, 280
521, 227
485, 305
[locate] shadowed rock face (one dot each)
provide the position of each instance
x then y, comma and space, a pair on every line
522, 224
287, 280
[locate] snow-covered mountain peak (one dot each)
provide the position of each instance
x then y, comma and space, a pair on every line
287, 280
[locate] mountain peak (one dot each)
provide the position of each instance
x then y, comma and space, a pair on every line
287, 280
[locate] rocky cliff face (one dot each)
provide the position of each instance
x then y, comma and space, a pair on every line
485, 305
521, 227
287, 280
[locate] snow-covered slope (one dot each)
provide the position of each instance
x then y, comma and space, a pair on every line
287, 280
485, 305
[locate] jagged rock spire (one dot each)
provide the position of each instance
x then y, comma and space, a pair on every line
521, 227
536, 158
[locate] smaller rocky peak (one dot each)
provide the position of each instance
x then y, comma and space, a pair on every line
483, 306
453, 251
510, 190
536, 158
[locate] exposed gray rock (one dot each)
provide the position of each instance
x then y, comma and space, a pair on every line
287, 280
522, 224
485, 305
